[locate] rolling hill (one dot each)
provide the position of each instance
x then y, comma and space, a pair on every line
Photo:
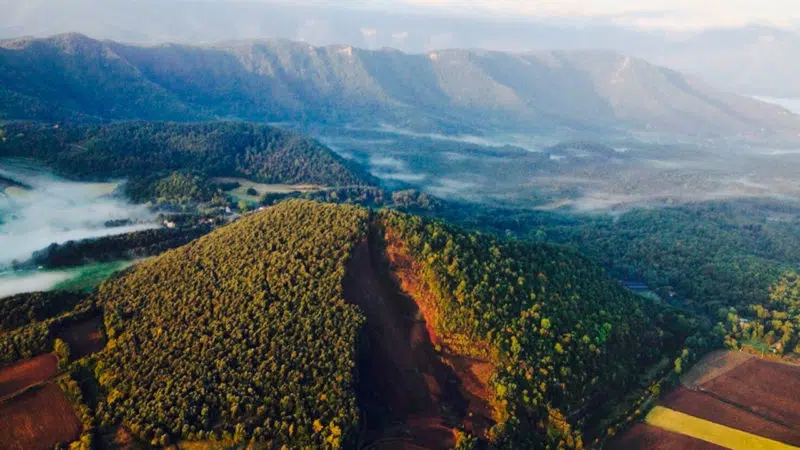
148, 150
334, 327
72, 77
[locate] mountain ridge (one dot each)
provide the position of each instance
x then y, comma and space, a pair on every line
83, 79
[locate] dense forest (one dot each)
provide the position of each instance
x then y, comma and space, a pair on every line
244, 334
23, 309
241, 335
776, 322
31, 322
562, 334
139, 244
172, 156
707, 257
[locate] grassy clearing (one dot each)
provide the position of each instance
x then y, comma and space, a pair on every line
677, 422
758, 345
240, 193
86, 278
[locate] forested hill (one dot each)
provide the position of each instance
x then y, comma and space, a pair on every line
243, 333
145, 149
75, 78
249, 333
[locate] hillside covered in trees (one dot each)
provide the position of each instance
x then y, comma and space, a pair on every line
173, 161
563, 337
242, 334
248, 333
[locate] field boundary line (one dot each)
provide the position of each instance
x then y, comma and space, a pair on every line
688, 425
741, 407
10, 397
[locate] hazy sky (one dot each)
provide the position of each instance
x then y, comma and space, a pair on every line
671, 14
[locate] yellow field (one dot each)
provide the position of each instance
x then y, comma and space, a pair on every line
678, 422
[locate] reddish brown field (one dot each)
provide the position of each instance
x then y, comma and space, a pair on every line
713, 365
84, 338
707, 407
647, 437
767, 389
22, 374
415, 396
37, 419
732, 389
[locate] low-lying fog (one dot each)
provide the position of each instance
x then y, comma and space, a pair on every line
591, 174
14, 283
47, 209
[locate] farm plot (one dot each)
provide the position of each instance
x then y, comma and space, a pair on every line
766, 388
703, 406
643, 436
729, 399
20, 375
678, 422
37, 419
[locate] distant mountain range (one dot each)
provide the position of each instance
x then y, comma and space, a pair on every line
746, 59
71, 77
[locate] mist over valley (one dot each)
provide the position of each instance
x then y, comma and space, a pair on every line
399, 224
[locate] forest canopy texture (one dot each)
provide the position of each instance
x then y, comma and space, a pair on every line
242, 334
245, 333
145, 149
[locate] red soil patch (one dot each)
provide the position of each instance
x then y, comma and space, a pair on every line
412, 399
20, 375
37, 419
473, 374
84, 338
647, 437
767, 389
707, 407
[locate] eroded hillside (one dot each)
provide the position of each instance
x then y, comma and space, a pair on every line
325, 326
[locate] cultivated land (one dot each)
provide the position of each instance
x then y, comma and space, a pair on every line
713, 365
649, 437
704, 406
678, 422
766, 388
20, 375
732, 399
37, 419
